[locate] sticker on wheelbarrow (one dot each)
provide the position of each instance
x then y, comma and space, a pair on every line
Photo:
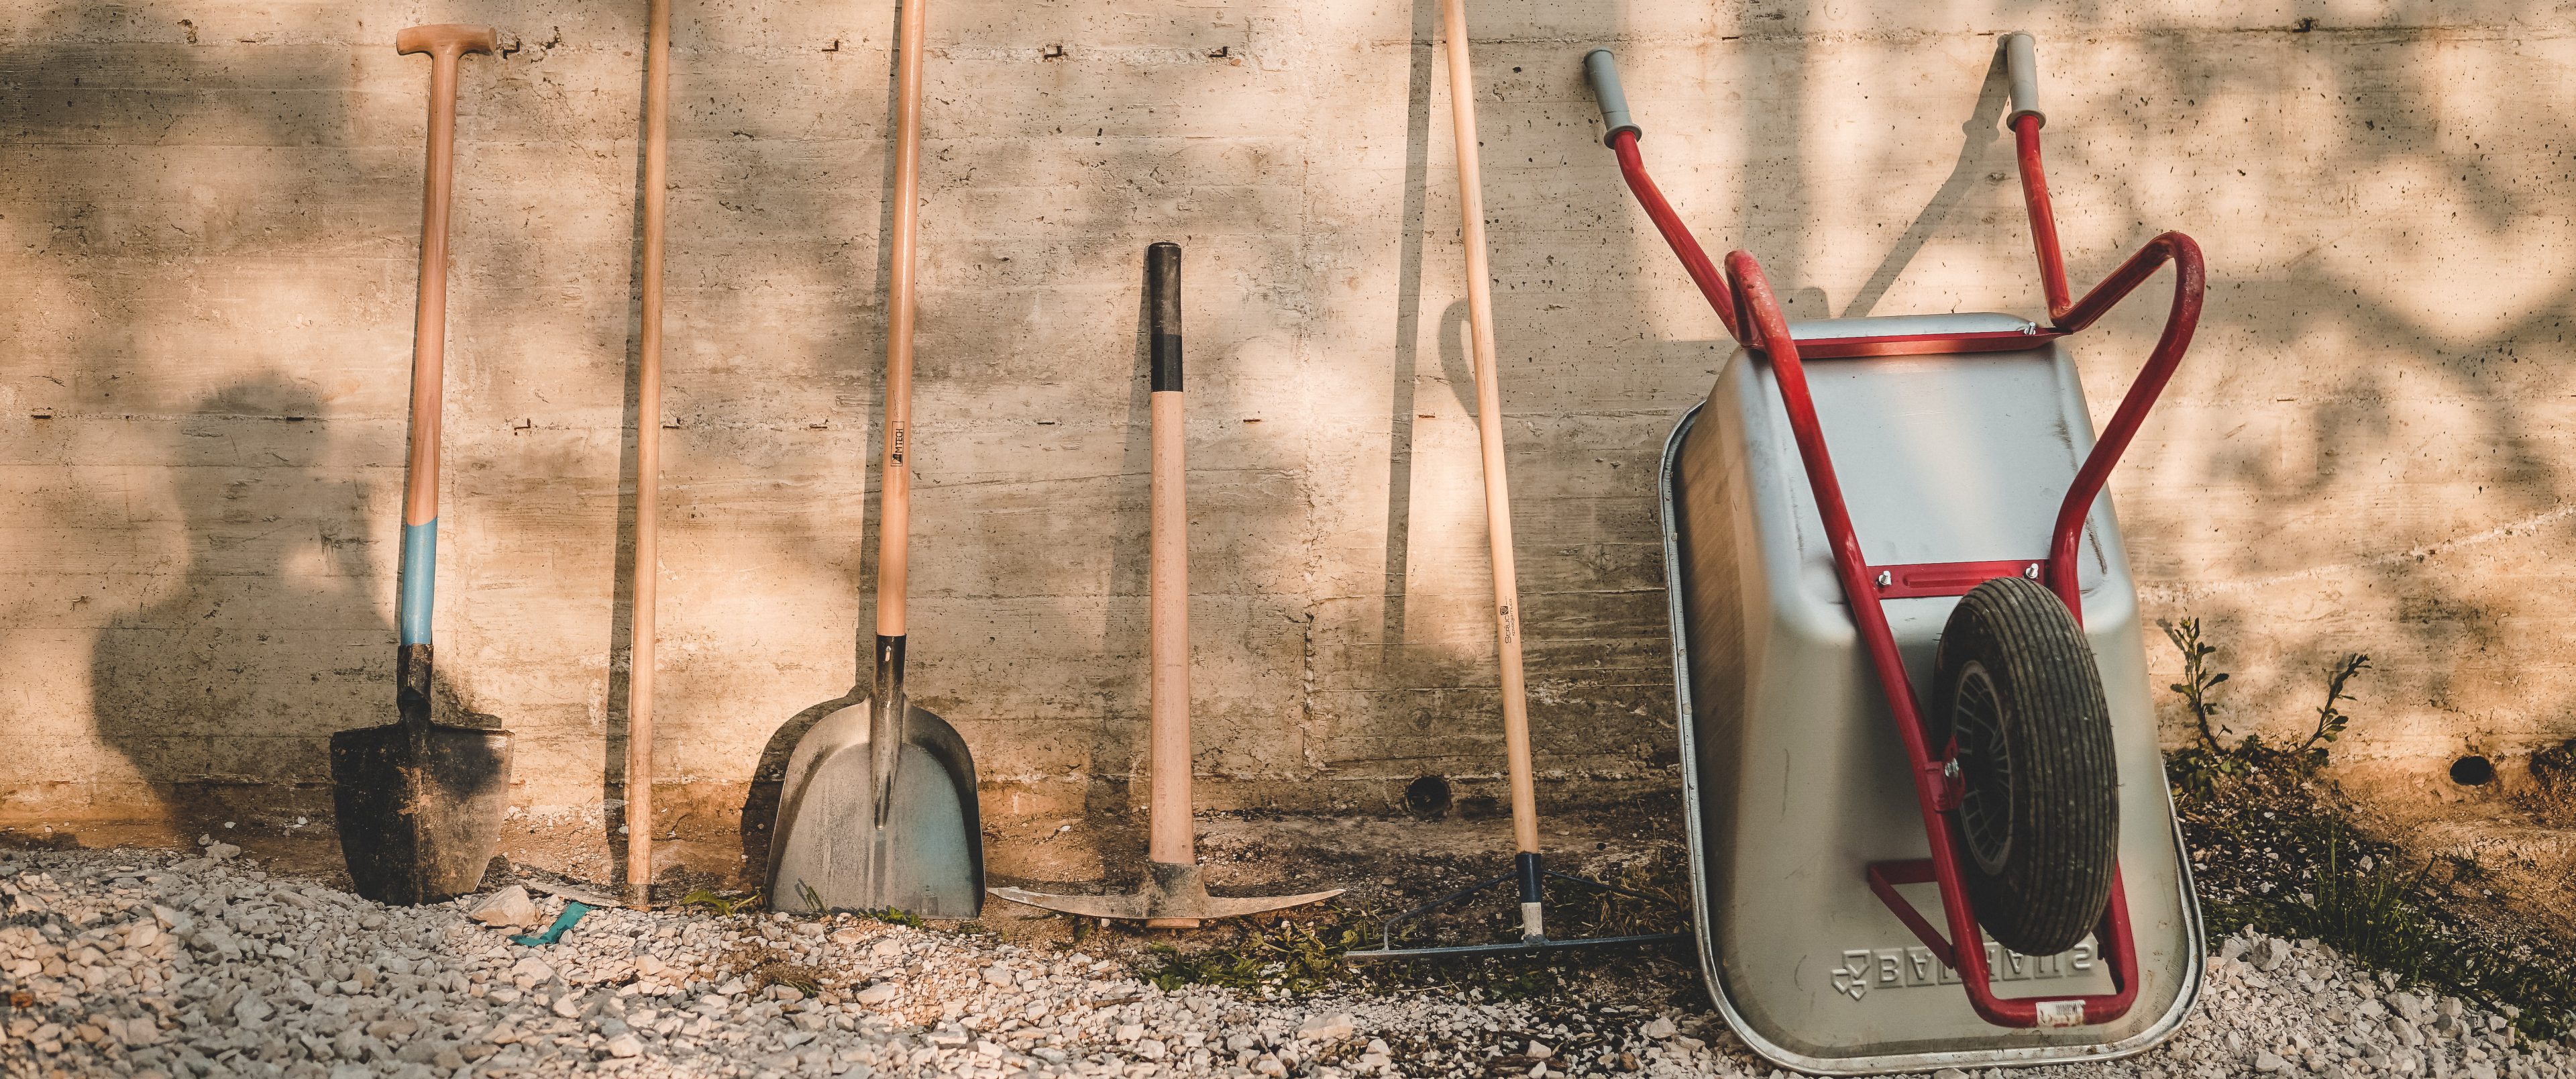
1867, 969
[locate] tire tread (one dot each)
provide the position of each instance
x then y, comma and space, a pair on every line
2065, 808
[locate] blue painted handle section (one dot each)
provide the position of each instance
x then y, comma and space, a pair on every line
419, 565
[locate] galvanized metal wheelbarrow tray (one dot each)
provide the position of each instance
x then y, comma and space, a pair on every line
1808, 590
1788, 811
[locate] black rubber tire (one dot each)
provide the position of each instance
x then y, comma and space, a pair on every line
2039, 815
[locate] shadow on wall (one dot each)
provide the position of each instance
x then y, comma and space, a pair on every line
253, 610
212, 690
2392, 334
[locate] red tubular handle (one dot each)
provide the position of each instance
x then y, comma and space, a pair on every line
2191, 279
2112, 940
1695, 261
1768, 330
2043, 219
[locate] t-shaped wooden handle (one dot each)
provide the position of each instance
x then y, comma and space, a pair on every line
446, 46
450, 39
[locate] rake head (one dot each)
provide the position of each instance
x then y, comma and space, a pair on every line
1530, 873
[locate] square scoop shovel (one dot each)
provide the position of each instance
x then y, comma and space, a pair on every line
857, 832
878, 809
1174, 895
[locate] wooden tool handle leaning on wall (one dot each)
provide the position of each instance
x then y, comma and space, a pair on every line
1489, 428
648, 463
415, 590
888, 702
1170, 837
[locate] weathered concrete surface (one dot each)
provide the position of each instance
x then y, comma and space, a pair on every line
208, 219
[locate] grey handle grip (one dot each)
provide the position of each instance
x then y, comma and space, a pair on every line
1604, 73
2021, 68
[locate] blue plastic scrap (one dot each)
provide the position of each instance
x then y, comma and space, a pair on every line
572, 912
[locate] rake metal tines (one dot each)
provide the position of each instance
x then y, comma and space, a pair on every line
1531, 874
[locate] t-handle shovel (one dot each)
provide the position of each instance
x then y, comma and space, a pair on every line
1174, 896
878, 808
420, 803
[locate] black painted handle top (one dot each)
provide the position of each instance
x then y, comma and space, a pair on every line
1163, 291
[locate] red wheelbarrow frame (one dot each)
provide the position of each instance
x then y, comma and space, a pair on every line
1746, 304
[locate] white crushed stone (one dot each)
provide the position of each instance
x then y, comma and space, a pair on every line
509, 907
144, 964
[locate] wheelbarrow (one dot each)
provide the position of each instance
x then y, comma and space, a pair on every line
1911, 536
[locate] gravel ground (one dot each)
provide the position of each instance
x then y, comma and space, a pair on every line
150, 965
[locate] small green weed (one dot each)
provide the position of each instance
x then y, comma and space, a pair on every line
2209, 761
722, 905
2273, 849
1299, 957
2361, 903
893, 916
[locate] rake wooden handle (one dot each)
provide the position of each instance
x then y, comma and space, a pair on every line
648, 463
1489, 428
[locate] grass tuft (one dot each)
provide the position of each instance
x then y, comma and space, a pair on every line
2274, 849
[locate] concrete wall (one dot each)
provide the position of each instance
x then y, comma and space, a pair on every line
208, 229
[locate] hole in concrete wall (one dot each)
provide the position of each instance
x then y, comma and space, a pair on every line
1428, 797
2473, 771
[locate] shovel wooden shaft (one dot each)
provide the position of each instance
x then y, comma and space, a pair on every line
415, 590
648, 463
446, 46
1489, 427
893, 525
1170, 836
889, 705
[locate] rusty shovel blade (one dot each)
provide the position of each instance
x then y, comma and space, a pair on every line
419, 802
420, 807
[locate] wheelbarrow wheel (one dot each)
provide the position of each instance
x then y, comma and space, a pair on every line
2039, 805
